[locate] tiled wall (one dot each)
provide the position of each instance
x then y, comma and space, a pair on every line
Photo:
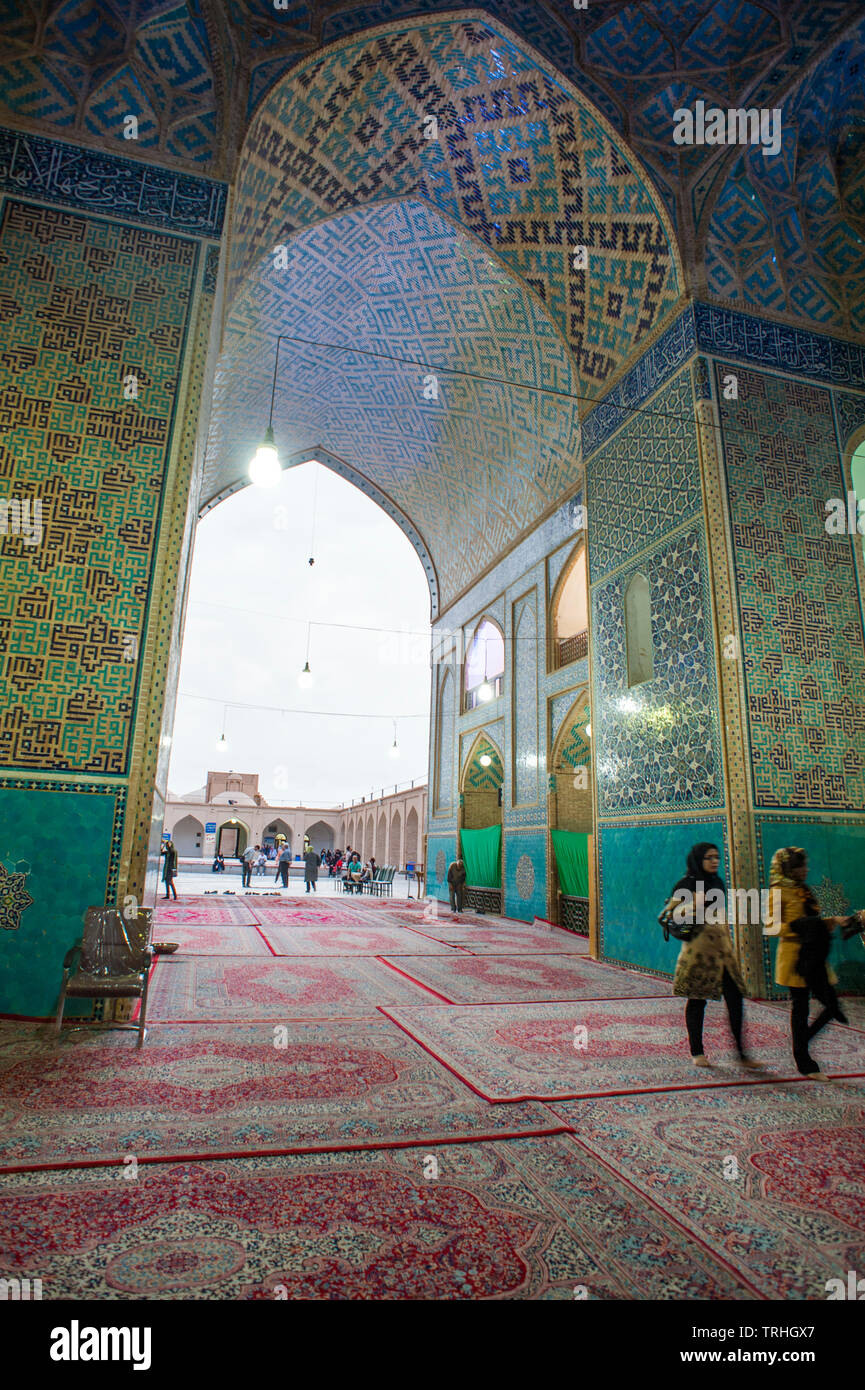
91, 302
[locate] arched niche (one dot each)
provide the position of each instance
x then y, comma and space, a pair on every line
639, 638
481, 784
569, 613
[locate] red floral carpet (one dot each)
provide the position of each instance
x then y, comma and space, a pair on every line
539, 1051
352, 941
471, 979
323, 1126
199, 912
530, 1218
213, 940
775, 1183
203, 990
494, 937
194, 1091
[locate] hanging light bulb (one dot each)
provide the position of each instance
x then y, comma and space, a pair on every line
222, 741
485, 760
264, 468
393, 751
588, 731
306, 679
485, 692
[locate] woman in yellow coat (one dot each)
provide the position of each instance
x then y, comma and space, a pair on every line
790, 898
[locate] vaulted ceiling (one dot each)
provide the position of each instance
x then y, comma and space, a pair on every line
197, 71
454, 254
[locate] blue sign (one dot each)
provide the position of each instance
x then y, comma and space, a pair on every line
210, 828
409, 868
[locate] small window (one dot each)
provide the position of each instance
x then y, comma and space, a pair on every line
638, 631
485, 664
571, 615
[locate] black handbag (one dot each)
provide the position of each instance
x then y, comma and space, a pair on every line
682, 931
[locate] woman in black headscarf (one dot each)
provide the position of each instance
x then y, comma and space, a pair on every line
707, 967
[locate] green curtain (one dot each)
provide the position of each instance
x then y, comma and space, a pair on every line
482, 851
572, 861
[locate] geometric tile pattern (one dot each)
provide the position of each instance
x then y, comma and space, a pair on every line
575, 750
786, 232
89, 66
658, 744
471, 463
647, 479
477, 778
86, 303
801, 623
517, 161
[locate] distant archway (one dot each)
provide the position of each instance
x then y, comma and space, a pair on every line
394, 843
188, 835
320, 835
232, 839
411, 829
381, 839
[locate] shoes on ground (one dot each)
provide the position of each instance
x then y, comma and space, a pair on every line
817, 1076
701, 1061
751, 1064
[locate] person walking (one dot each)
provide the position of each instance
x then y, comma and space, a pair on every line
311, 862
169, 871
707, 967
247, 860
794, 917
456, 880
282, 864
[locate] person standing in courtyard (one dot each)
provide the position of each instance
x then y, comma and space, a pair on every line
311, 862
456, 879
247, 860
707, 967
169, 871
283, 863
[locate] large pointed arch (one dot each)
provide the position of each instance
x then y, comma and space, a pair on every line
429, 290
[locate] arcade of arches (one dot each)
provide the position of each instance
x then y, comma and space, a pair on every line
607, 383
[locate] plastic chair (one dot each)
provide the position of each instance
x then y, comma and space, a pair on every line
111, 961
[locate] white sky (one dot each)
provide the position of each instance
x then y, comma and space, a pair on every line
251, 554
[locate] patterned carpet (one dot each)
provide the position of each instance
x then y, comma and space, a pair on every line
203, 990
213, 940
318, 1124
199, 912
194, 1091
471, 979
774, 1183
530, 1218
352, 941
497, 938
537, 1051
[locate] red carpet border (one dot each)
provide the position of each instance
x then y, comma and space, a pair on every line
204, 990
469, 979
242, 1089
528, 1051
526, 1219
771, 1181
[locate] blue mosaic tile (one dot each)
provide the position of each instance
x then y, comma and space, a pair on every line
657, 745
646, 480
